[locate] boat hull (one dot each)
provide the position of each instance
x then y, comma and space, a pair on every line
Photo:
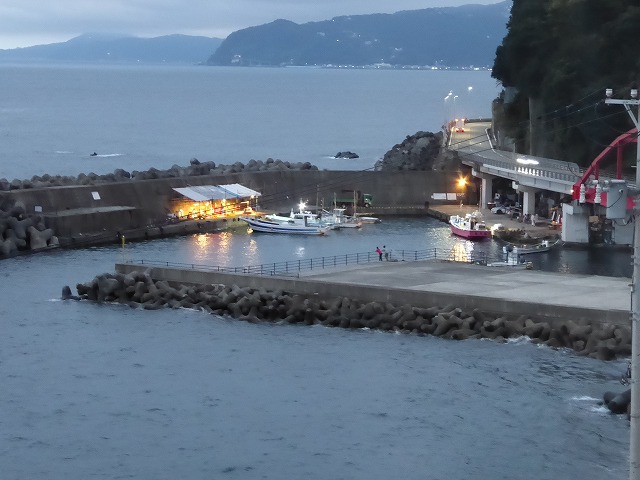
542, 247
511, 265
470, 234
276, 227
469, 227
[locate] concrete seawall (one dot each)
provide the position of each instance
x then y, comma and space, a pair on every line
113, 207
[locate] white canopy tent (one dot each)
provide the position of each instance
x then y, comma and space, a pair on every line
204, 193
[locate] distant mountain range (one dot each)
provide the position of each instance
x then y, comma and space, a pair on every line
455, 37
106, 48
445, 37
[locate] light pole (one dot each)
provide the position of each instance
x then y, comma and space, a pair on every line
454, 107
634, 444
447, 116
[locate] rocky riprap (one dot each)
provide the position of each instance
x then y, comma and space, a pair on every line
420, 151
603, 341
22, 232
195, 168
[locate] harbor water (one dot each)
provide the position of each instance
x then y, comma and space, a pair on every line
105, 391
109, 391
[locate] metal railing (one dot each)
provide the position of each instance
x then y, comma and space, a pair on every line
294, 267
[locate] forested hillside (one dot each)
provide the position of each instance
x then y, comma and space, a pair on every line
465, 36
560, 55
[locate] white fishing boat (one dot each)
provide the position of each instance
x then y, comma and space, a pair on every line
302, 217
289, 226
543, 246
511, 262
338, 219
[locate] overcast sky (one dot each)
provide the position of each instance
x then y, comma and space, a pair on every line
33, 22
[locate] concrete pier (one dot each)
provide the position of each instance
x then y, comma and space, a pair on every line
500, 290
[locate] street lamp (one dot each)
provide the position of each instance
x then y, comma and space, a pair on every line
447, 115
634, 446
454, 105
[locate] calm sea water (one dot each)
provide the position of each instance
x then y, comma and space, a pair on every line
106, 391
52, 118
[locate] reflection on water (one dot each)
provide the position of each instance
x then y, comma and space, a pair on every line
202, 242
241, 248
463, 250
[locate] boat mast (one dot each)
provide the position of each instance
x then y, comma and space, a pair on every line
354, 204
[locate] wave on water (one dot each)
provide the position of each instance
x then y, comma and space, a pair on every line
94, 154
523, 339
585, 398
595, 405
104, 155
600, 409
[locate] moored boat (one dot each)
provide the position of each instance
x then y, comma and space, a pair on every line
301, 217
512, 263
338, 219
471, 226
290, 227
366, 219
543, 246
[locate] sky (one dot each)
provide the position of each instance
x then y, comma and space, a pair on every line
36, 22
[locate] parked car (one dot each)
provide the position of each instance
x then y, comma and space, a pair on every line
499, 209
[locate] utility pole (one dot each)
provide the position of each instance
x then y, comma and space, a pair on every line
634, 443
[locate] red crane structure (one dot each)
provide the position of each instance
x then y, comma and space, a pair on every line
618, 144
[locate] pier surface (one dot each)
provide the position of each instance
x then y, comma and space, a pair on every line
500, 290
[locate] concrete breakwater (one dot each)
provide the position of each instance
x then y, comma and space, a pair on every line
98, 208
601, 340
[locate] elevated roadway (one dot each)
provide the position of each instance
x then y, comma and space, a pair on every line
530, 174
475, 147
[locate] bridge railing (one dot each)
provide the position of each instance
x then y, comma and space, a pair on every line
529, 166
295, 267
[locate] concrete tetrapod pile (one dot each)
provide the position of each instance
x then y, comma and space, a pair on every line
20, 231
195, 168
604, 341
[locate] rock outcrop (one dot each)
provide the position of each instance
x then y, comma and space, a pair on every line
346, 154
417, 152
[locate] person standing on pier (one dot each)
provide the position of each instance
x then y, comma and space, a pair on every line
379, 252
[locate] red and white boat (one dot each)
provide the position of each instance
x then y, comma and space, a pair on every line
471, 226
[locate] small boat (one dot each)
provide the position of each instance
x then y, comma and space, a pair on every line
512, 262
338, 219
471, 226
364, 219
543, 246
290, 226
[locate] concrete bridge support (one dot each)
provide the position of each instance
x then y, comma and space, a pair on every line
575, 223
486, 188
528, 200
